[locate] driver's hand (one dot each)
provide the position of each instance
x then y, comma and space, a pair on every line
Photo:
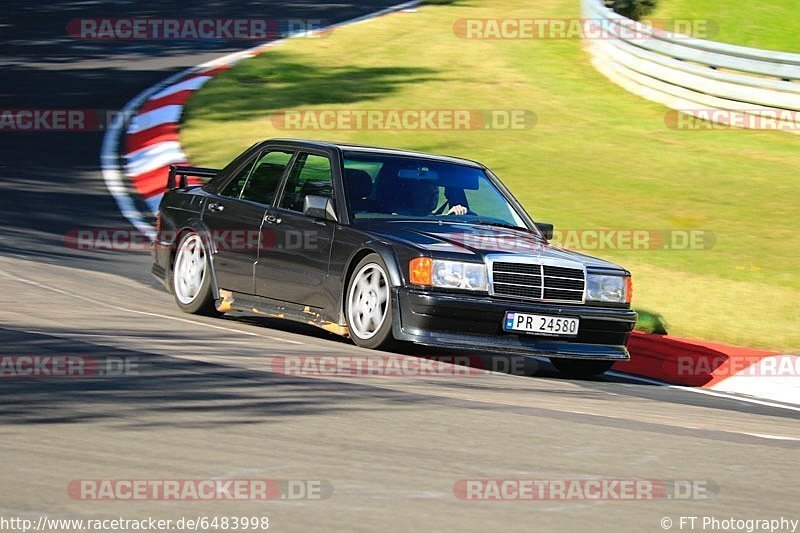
457, 210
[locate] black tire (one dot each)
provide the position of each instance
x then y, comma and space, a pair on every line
203, 301
580, 369
382, 338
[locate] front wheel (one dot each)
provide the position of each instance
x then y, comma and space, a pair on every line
368, 304
580, 369
191, 277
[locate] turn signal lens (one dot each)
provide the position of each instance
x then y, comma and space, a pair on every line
628, 289
420, 271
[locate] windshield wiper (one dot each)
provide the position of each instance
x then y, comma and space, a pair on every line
500, 224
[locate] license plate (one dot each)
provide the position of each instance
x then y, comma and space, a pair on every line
541, 324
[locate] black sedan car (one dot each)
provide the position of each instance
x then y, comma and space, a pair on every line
384, 246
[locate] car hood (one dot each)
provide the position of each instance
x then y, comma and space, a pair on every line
476, 239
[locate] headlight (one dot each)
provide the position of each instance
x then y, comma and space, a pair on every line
448, 274
608, 288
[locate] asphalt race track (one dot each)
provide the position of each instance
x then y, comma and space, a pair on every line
203, 404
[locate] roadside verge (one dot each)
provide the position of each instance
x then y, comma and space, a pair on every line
714, 366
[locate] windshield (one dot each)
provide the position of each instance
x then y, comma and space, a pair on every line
381, 186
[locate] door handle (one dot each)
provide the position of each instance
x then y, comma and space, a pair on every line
217, 208
272, 219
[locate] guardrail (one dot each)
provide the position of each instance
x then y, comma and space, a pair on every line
728, 84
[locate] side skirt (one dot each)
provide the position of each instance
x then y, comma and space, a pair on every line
248, 303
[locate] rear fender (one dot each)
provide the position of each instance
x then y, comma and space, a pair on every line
195, 226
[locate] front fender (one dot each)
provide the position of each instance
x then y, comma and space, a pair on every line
388, 255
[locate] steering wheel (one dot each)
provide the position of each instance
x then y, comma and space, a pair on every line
469, 212
441, 208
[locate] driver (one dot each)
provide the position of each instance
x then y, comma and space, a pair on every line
425, 197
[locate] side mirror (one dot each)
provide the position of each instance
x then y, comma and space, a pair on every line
319, 207
546, 229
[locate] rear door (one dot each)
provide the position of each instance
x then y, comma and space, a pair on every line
236, 214
295, 251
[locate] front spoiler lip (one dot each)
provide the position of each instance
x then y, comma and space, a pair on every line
472, 342
477, 343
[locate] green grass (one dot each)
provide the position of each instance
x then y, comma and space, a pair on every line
768, 24
598, 156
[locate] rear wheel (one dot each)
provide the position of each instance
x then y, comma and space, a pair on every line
368, 304
581, 369
191, 277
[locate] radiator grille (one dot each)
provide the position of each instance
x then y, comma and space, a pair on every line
538, 282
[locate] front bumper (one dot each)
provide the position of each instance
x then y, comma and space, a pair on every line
469, 322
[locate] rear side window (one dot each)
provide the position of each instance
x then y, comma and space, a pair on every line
265, 177
310, 175
233, 189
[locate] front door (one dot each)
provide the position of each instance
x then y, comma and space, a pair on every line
295, 251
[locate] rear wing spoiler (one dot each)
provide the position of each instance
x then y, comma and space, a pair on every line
179, 176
